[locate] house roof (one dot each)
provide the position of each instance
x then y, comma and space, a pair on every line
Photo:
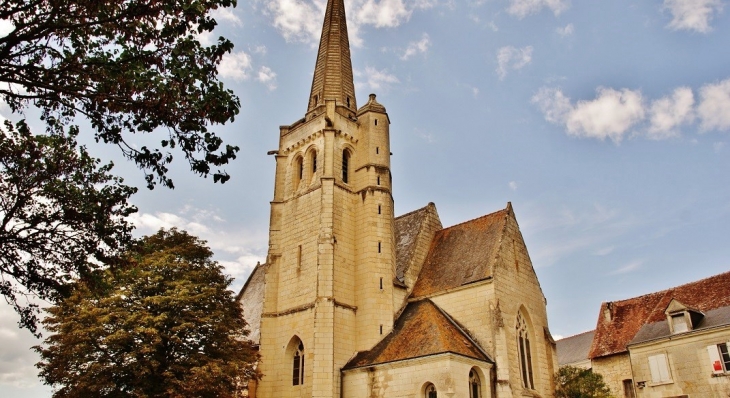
574, 348
423, 329
620, 321
462, 254
407, 228
656, 330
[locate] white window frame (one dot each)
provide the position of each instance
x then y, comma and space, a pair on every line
659, 369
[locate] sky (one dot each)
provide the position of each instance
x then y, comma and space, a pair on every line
605, 123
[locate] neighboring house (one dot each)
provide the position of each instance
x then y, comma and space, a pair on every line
573, 350
672, 343
354, 302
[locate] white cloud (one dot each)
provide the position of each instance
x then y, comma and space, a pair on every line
296, 20
236, 66
301, 20
226, 14
416, 47
668, 113
692, 14
16, 366
509, 57
523, 8
567, 30
6, 27
554, 104
267, 77
513, 185
714, 106
383, 13
376, 79
610, 115
260, 50
632, 266
718, 146
237, 250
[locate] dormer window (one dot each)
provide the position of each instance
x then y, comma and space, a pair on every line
682, 318
679, 323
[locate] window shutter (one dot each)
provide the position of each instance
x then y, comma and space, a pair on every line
664, 368
654, 367
715, 360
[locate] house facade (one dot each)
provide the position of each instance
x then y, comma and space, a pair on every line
672, 343
356, 302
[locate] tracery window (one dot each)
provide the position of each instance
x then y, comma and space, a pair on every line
474, 384
431, 391
298, 366
523, 349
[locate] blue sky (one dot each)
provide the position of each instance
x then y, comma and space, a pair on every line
605, 123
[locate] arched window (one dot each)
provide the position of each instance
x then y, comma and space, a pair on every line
474, 384
298, 172
523, 349
298, 366
431, 391
345, 166
314, 162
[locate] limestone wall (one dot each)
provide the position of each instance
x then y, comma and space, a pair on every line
614, 369
448, 372
689, 363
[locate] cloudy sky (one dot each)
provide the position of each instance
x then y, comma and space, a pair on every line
605, 123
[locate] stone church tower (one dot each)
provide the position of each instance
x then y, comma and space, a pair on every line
353, 302
329, 281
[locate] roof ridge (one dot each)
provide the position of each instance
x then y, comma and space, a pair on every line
667, 290
505, 210
415, 211
578, 334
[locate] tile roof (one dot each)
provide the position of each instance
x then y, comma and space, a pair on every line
713, 318
574, 348
423, 329
627, 317
462, 254
407, 229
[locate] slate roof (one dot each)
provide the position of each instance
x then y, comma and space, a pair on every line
574, 348
462, 254
713, 318
627, 317
407, 227
423, 329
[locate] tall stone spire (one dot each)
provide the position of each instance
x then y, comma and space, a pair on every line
333, 72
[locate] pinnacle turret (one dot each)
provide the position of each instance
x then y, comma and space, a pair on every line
333, 71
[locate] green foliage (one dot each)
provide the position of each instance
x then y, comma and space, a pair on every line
163, 324
61, 213
572, 382
133, 66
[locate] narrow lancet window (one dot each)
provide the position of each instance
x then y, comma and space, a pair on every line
345, 166
523, 348
298, 366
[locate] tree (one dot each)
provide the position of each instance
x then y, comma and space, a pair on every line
61, 214
132, 66
572, 382
163, 324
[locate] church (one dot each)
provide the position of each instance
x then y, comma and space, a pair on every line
355, 302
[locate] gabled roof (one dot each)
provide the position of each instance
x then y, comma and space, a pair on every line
657, 330
423, 329
407, 228
620, 321
574, 348
251, 297
462, 254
